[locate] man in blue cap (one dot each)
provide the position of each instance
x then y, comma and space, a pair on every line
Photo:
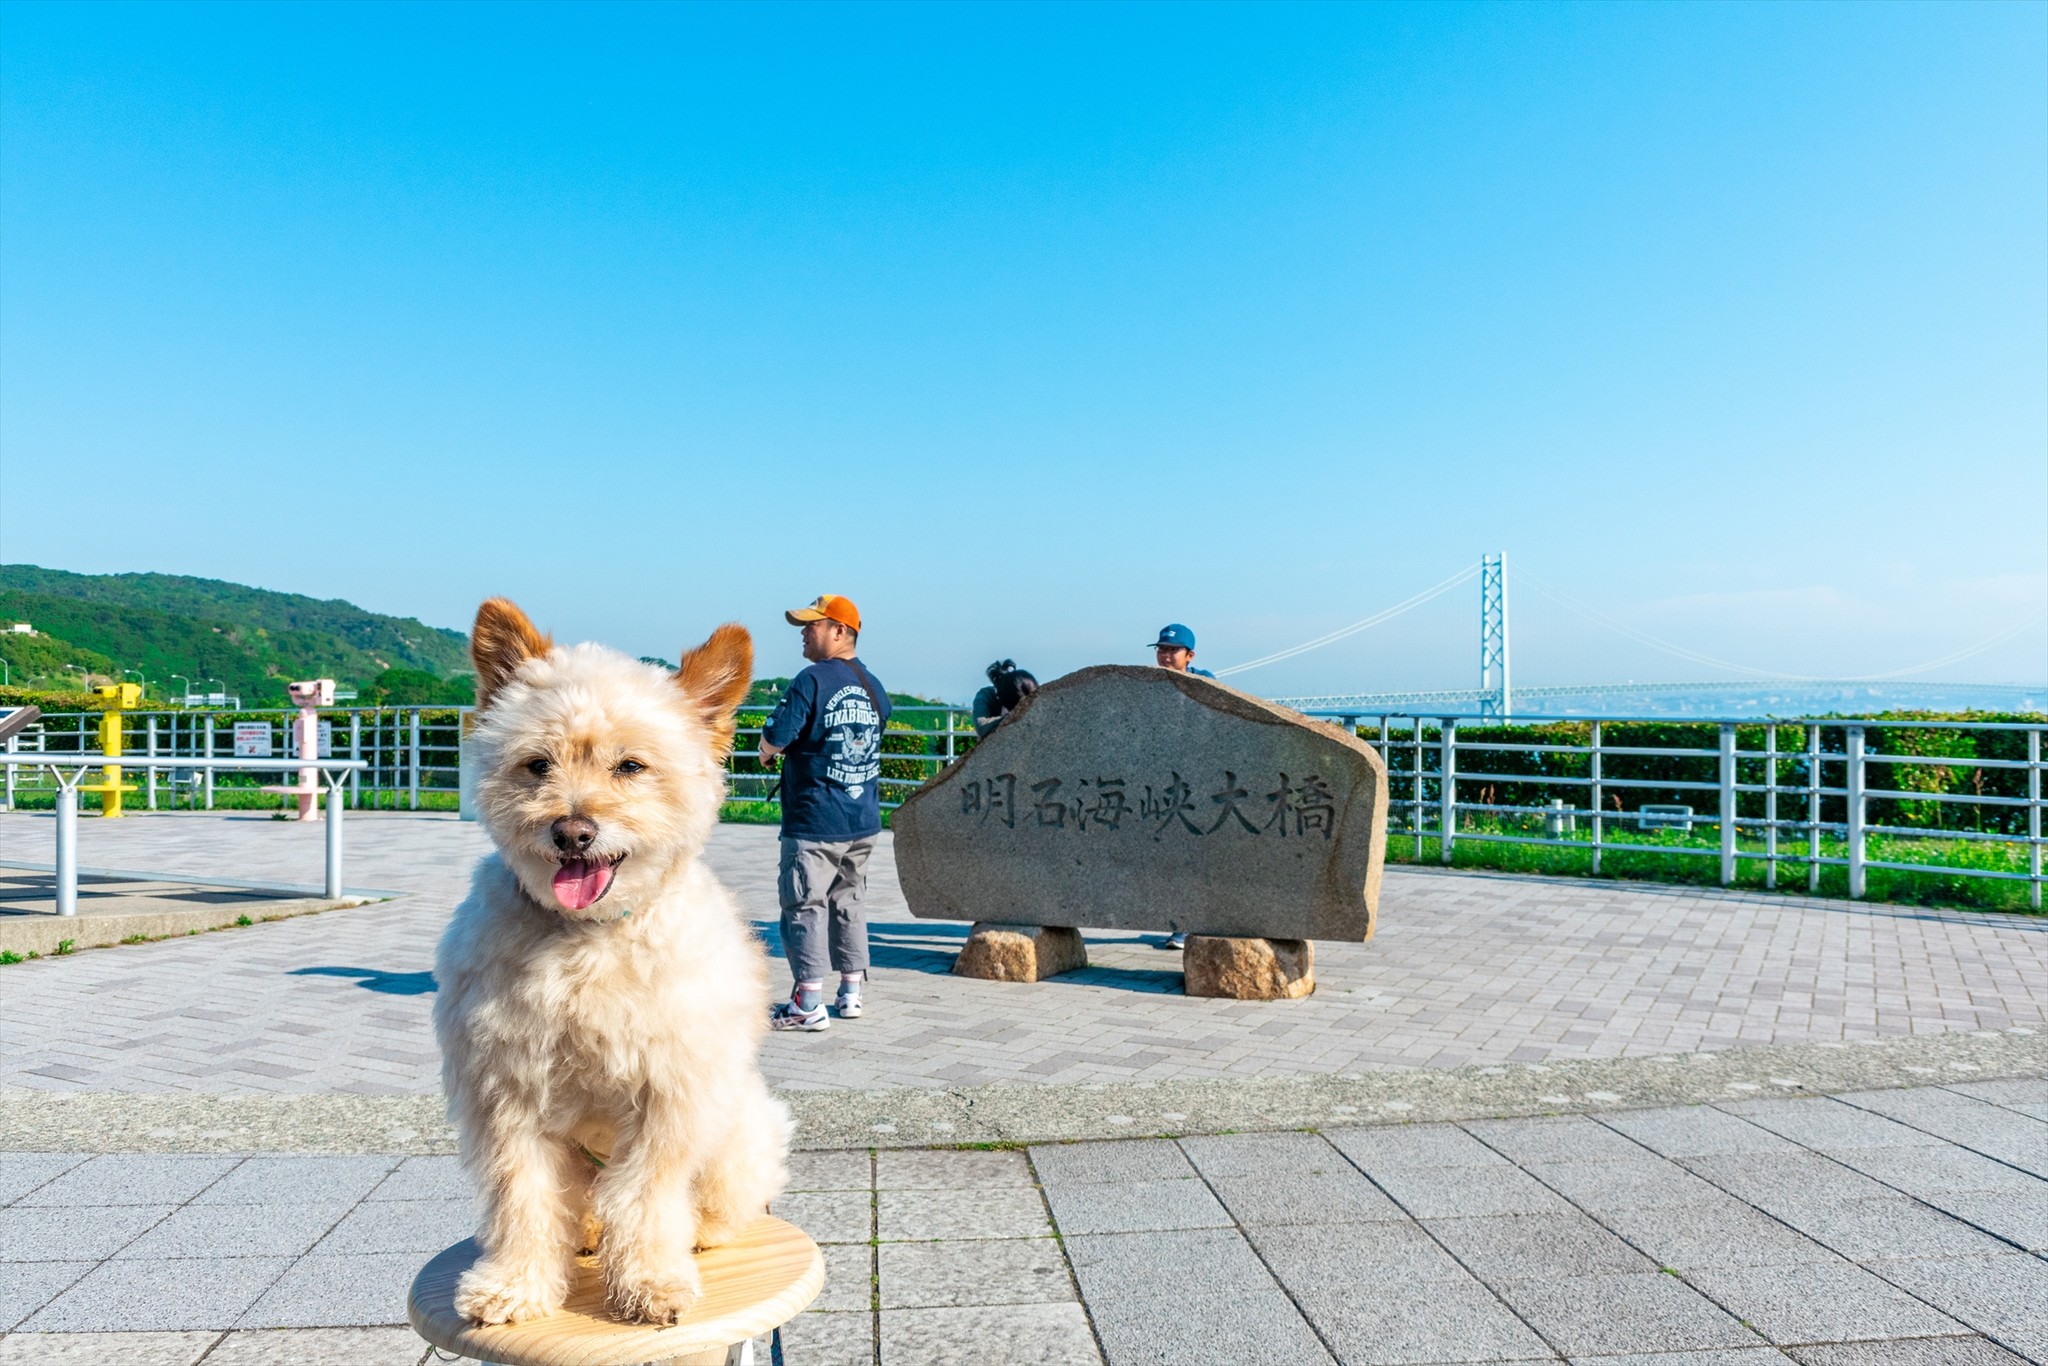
1175, 650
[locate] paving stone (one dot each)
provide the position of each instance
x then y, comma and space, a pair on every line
917, 1169
298, 1179
421, 1226
425, 1178
105, 1349
828, 1339
1644, 1181
975, 1272
1262, 1154
1389, 1146
961, 1214
131, 1179
1931, 1171
849, 1277
1766, 1180
319, 1347
1607, 1314
27, 1286
1968, 1351
1820, 1122
1724, 1234
1151, 1266
1819, 1302
249, 1230
1706, 1356
1506, 1246
21, 1173
2021, 1223
1055, 1334
829, 1216
1336, 1197
81, 1233
1864, 1229
1068, 1164
322, 1291
831, 1171
182, 1293
1432, 1321
1351, 1255
1562, 1138
2003, 1297
1258, 1327
1696, 1131
1135, 1207
1467, 1192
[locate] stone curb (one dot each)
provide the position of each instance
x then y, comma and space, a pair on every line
43, 933
97, 1121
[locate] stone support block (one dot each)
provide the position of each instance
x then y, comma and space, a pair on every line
1020, 953
1249, 969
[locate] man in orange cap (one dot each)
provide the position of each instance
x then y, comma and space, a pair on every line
828, 728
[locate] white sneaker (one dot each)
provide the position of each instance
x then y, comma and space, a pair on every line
848, 1004
787, 1016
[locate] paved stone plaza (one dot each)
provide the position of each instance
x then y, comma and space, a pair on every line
1466, 969
1895, 1221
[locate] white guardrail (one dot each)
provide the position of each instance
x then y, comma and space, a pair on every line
1797, 795
70, 770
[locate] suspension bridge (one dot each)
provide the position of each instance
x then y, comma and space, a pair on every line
1497, 698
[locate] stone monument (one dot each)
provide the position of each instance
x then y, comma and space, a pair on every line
1137, 798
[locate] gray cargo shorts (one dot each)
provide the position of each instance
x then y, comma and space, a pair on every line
824, 923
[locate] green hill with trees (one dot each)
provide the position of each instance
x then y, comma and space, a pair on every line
252, 639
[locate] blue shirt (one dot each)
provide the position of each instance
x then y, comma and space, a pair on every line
830, 734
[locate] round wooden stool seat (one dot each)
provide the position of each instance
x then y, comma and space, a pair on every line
756, 1283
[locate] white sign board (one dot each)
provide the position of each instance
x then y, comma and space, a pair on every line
252, 739
326, 741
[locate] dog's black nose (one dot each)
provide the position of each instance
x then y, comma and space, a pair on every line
574, 834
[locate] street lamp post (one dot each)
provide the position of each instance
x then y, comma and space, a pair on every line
188, 687
138, 674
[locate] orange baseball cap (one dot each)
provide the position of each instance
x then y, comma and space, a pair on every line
827, 607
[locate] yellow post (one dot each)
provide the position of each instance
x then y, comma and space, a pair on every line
120, 697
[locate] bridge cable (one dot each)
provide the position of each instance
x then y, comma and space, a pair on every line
1355, 627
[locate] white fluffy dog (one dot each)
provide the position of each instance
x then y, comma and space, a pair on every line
600, 997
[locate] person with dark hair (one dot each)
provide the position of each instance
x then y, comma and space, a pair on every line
1007, 688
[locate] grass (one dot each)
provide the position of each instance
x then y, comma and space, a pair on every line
1629, 854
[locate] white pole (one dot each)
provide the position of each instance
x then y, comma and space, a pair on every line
67, 843
334, 805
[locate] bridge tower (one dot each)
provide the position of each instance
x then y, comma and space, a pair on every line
1494, 701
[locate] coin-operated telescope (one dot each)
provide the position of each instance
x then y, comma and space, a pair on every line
308, 696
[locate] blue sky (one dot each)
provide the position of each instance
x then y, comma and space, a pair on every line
1034, 327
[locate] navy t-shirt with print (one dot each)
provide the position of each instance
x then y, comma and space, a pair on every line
831, 738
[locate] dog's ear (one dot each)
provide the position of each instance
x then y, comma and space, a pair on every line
501, 641
717, 674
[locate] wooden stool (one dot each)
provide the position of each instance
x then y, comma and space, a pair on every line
752, 1285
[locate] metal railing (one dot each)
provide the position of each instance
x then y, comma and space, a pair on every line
1793, 796
410, 756
1803, 793
69, 770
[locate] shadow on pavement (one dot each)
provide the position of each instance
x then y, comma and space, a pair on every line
376, 979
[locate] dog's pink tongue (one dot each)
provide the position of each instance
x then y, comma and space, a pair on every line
580, 882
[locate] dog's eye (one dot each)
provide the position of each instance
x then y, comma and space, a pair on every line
628, 767
538, 767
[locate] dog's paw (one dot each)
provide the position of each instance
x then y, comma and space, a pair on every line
489, 1294
593, 1234
656, 1298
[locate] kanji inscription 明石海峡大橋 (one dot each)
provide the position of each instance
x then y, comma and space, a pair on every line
1292, 807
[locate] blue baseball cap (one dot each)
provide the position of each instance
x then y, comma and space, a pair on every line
1175, 635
